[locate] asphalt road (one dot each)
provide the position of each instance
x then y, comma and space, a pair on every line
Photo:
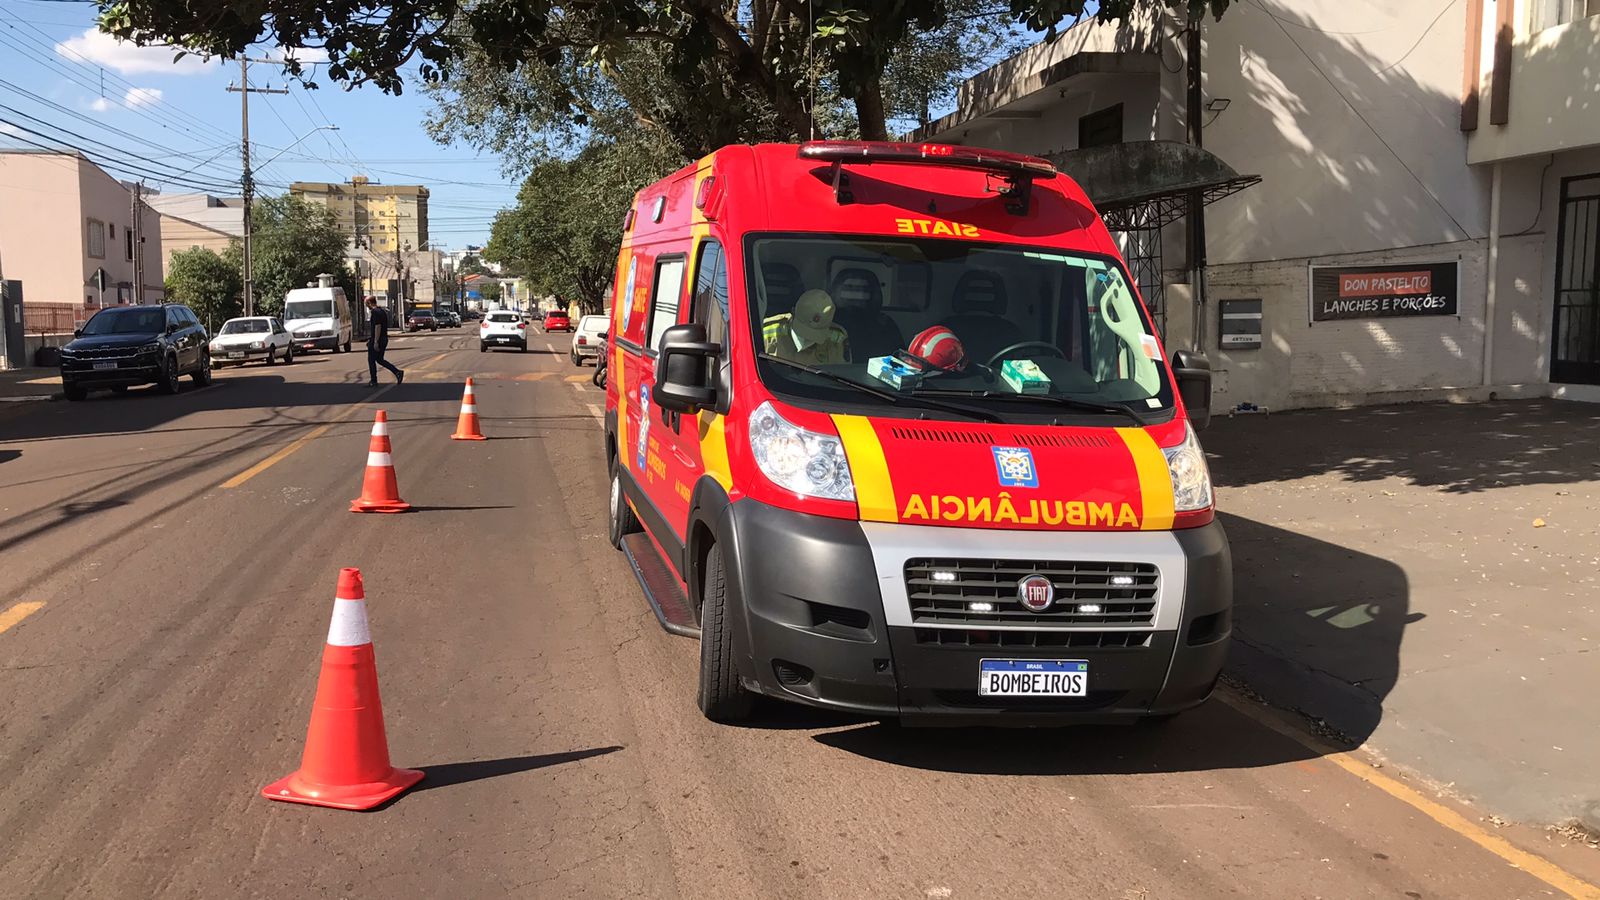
164, 598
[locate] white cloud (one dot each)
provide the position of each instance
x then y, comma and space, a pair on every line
102, 49
8, 128
100, 104
141, 96
306, 55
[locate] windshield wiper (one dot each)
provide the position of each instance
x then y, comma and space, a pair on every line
892, 397
1055, 399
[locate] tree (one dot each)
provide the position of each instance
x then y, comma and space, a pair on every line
489, 291
564, 234
201, 278
763, 57
293, 242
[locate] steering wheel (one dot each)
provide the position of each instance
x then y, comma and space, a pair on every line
1041, 345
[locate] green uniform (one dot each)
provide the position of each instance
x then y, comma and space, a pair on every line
779, 339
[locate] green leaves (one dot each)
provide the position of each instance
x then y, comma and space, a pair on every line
293, 242
207, 282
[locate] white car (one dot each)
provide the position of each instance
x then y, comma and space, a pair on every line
251, 337
586, 339
502, 328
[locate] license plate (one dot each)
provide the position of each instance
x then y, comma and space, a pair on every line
232, 355
503, 340
105, 365
1033, 678
309, 345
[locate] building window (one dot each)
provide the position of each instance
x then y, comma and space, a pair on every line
96, 231
127, 238
1550, 13
1100, 129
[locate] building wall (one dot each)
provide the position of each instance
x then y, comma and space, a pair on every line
180, 234
1554, 102
42, 228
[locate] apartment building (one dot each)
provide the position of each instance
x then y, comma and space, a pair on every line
378, 217
68, 233
1427, 218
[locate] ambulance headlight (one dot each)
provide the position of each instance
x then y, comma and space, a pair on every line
1191, 479
806, 462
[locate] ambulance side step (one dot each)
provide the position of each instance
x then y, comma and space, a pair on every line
660, 586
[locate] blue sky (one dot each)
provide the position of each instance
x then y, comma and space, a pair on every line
179, 120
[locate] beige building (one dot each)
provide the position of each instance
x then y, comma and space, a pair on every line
1391, 150
197, 220
378, 217
67, 233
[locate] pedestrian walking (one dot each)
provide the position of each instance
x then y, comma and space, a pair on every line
378, 342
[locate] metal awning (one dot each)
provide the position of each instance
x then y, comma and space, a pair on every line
1147, 184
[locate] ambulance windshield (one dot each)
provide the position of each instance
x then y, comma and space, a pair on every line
953, 320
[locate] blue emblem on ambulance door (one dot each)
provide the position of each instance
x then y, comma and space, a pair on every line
1014, 465
644, 424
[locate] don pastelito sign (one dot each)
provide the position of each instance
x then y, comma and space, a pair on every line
1383, 292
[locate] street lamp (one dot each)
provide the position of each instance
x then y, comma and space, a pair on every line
296, 141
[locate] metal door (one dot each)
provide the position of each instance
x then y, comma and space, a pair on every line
1575, 358
13, 336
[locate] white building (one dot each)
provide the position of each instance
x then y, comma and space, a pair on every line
1391, 151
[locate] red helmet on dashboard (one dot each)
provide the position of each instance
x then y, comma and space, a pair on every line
940, 347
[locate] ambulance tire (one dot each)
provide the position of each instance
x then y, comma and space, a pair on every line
722, 697
623, 521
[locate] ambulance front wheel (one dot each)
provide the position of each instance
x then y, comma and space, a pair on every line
722, 697
623, 521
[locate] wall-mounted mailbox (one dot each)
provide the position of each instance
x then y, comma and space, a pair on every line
1241, 325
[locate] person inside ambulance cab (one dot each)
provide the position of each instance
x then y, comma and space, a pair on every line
807, 335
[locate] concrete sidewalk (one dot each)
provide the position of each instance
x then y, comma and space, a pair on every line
1425, 579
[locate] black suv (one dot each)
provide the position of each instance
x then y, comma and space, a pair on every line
128, 345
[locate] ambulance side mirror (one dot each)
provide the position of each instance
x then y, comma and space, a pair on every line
686, 370
1193, 373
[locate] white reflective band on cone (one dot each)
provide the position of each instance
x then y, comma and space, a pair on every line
349, 625
380, 429
469, 408
374, 458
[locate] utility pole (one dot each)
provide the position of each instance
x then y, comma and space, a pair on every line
137, 196
246, 180
1197, 207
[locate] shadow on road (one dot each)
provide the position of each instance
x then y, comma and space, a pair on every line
1213, 737
449, 774
8, 455
145, 409
417, 509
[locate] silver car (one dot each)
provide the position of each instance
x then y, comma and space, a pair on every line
248, 338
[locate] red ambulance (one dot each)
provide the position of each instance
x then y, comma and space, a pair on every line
891, 432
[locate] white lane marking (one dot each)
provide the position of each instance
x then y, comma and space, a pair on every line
594, 410
349, 625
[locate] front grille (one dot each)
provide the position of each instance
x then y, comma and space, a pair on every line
1079, 588
105, 353
1013, 637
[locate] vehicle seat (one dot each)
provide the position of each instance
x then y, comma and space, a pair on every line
979, 319
858, 309
783, 286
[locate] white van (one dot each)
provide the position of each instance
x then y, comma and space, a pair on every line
318, 318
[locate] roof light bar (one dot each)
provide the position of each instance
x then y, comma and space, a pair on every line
1015, 171
866, 152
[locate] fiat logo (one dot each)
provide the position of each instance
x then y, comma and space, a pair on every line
1036, 593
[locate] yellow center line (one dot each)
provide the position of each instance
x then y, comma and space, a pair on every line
299, 442
1535, 865
17, 613
424, 365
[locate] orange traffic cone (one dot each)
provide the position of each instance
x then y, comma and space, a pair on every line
379, 491
345, 764
467, 425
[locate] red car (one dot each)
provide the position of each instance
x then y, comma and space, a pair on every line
557, 320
